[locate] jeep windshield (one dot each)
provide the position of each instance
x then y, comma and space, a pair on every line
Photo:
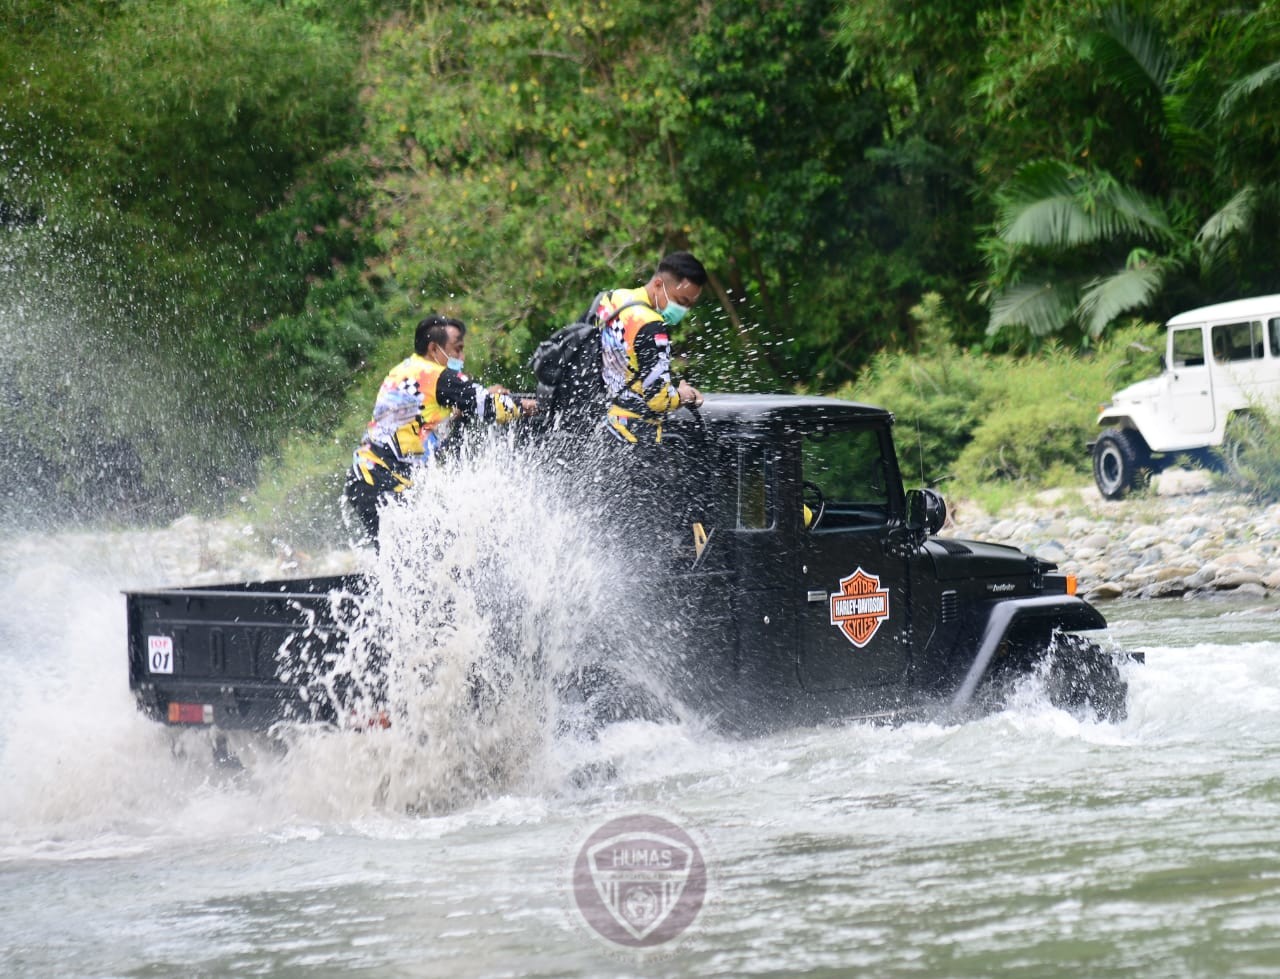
847, 467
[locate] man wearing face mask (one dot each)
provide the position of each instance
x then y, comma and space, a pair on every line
415, 412
636, 349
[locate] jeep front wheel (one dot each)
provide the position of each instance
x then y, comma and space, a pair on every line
1119, 462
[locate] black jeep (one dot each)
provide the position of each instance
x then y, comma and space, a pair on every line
810, 586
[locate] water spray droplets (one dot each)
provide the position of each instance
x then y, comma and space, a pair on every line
491, 585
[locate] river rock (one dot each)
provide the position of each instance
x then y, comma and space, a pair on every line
1211, 543
1182, 482
1203, 578
1249, 590
1167, 588
1053, 551
1176, 572
1233, 578
1103, 591
1243, 559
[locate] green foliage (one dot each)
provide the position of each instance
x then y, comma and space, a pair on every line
298, 496
937, 394
750, 147
788, 211
982, 418
1250, 454
176, 170
520, 163
1143, 200
258, 198
1040, 413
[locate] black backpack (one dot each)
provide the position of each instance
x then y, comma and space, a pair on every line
567, 367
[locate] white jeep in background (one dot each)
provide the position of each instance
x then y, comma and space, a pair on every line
1220, 362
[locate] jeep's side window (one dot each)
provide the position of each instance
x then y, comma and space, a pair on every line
848, 467
1273, 333
1237, 341
755, 505
1188, 348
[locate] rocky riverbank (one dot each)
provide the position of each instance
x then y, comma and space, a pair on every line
189, 551
1186, 537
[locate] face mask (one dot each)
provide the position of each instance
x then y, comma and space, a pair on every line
454, 364
673, 312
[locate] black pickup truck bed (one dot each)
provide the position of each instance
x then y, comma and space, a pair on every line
220, 654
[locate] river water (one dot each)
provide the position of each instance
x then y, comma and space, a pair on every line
1029, 842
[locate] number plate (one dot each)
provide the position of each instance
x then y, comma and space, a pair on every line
160, 654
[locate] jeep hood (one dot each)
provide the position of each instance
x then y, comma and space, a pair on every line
954, 559
1141, 391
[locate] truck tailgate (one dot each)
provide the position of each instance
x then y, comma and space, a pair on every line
233, 655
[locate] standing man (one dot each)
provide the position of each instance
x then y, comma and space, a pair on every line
414, 415
636, 349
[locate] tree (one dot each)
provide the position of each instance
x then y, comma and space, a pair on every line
1162, 201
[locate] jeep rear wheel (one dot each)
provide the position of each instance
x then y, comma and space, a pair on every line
1120, 461
1243, 443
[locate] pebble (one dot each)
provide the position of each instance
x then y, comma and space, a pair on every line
1190, 537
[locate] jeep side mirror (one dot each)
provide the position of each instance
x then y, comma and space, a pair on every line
926, 511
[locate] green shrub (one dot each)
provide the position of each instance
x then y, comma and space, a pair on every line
1039, 412
981, 417
1023, 445
1250, 454
937, 395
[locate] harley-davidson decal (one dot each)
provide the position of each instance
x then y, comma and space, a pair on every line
859, 607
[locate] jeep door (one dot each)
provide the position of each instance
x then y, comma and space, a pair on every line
1189, 384
853, 593
762, 538
1242, 371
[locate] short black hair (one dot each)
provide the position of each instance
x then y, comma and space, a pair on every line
684, 266
435, 329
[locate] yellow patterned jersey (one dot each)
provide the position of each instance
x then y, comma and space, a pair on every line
635, 348
415, 408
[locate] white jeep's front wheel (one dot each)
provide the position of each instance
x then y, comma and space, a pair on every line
1120, 461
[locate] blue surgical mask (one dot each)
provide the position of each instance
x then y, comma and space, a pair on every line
454, 364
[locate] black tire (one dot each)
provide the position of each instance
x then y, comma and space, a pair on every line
1082, 675
1120, 462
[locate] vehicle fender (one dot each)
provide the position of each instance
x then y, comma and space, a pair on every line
1065, 612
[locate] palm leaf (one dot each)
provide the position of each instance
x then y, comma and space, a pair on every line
1106, 298
1042, 308
1233, 218
1184, 127
1130, 51
1048, 204
1130, 211
1246, 86
1039, 207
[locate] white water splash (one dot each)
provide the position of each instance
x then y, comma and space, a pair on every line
496, 580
